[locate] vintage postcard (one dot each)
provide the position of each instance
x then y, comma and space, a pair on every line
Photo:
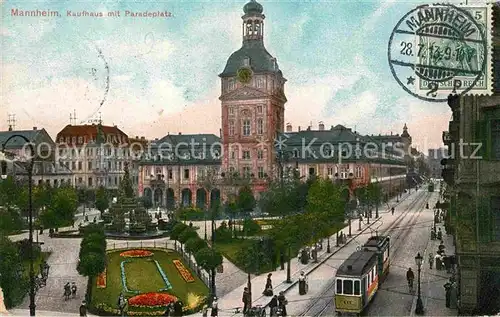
249, 158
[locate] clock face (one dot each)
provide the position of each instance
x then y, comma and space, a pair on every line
244, 75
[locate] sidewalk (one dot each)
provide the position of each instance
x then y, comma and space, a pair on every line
433, 292
229, 303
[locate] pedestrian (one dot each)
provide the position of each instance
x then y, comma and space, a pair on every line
268, 289
282, 302
204, 311
447, 288
273, 306
168, 310
302, 283
246, 300
437, 258
440, 234
215, 309
431, 260
83, 309
73, 289
178, 308
392, 210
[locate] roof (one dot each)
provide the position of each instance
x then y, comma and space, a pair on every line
357, 263
87, 130
35, 136
253, 7
174, 139
375, 241
260, 59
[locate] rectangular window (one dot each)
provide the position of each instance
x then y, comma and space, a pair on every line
312, 171
89, 165
231, 127
339, 286
348, 287
73, 140
260, 154
259, 109
246, 155
233, 155
260, 126
80, 139
246, 127
247, 172
261, 172
330, 171
116, 180
90, 181
231, 110
170, 174
357, 288
231, 169
73, 165
80, 180
186, 173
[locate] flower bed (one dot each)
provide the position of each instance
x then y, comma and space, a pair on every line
186, 275
101, 280
136, 253
152, 300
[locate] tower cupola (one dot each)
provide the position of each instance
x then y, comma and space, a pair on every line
253, 21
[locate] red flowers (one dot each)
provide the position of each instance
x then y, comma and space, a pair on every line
136, 253
152, 299
186, 275
101, 280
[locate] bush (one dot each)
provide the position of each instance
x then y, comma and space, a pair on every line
12, 281
223, 233
208, 258
186, 235
195, 244
177, 230
189, 213
251, 227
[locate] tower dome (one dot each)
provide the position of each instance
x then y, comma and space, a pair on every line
253, 7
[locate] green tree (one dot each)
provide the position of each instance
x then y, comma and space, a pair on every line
92, 257
186, 235
101, 199
208, 259
64, 203
12, 280
245, 200
195, 244
177, 230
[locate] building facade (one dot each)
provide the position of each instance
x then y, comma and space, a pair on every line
472, 175
252, 103
96, 154
45, 168
434, 158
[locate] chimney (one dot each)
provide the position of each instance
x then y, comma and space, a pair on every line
137, 137
391, 132
321, 126
10, 127
34, 128
220, 133
299, 128
143, 138
180, 133
288, 127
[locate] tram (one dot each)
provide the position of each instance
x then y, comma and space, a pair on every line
360, 276
431, 187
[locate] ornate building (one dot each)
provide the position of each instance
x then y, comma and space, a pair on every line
94, 153
252, 102
472, 175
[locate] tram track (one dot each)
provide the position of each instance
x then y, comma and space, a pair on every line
324, 299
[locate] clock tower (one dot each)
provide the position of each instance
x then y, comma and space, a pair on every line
252, 104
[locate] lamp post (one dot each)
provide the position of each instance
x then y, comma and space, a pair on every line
30, 210
280, 158
419, 309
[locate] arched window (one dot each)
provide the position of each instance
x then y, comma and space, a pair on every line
246, 127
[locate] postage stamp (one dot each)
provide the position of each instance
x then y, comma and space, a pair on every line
442, 49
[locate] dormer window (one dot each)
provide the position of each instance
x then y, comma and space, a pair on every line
80, 139
246, 61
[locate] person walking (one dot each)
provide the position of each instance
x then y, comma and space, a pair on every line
410, 277
392, 211
215, 308
83, 309
268, 289
73, 289
273, 306
302, 283
282, 302
246, 300
431, 260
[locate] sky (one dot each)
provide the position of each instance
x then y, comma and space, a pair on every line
163, 72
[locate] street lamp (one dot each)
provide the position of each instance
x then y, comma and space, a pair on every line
419, 310
30, 210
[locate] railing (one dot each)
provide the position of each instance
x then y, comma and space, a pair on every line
172, 245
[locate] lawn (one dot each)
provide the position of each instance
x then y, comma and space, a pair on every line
230, 248
143, 276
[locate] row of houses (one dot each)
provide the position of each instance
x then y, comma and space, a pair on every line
169, 170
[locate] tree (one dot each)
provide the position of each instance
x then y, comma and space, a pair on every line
177, 230
12, 281
92, 259
245, 200
101, 199
187, 234
208, 259
195, 244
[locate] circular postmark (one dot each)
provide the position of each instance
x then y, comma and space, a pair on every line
438, 50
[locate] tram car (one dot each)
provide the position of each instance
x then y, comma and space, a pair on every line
431, 187
359, 277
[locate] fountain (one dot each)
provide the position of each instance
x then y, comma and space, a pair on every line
127, 217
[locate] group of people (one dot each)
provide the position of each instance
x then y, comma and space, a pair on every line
277, 304
69, 290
